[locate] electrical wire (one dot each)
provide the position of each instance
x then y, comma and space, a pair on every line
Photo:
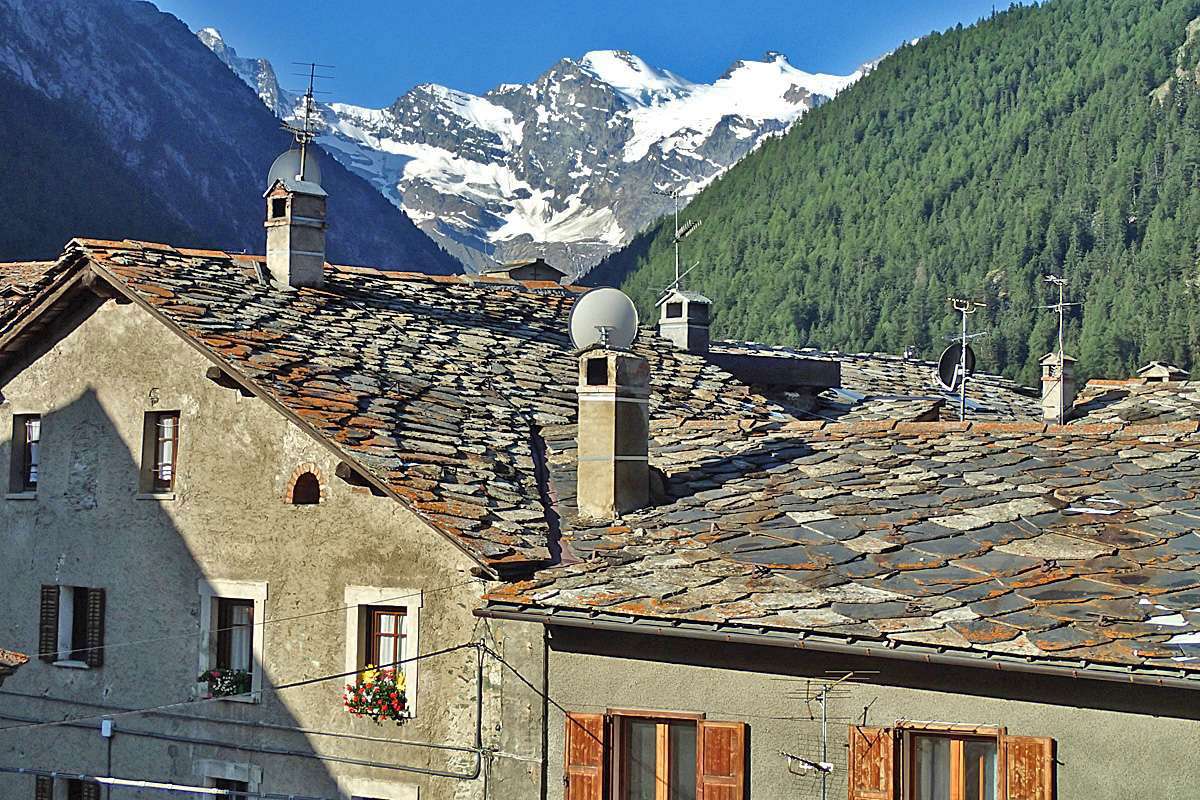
134, 642
273, 690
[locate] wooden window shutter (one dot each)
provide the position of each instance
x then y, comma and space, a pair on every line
720, 760
872, 767
586, 750
1029, 767
48, 625
90, 790
43, 788
94, 656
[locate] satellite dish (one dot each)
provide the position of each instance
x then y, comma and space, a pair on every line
947, 368
603, 316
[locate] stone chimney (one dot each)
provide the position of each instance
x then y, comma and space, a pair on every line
296, 220
1058, 387
683, 319
613, 433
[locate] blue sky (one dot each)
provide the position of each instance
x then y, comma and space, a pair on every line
381, 48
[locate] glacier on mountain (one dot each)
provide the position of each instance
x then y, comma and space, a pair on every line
569, 166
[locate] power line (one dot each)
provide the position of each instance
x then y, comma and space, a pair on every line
273, 690
265, 622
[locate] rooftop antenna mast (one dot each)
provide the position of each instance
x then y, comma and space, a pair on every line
680, 234
305, 132
1061, 307
964, 308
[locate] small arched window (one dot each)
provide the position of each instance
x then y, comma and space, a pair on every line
307, 490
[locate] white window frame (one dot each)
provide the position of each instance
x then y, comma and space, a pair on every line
408, 599
213, 589
209, 769
385, 790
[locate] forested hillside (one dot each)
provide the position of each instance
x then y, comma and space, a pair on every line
1059, 139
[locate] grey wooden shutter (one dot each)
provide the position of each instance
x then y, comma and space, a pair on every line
48, 625
95, 628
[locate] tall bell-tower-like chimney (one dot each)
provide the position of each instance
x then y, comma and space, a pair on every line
296, 206
296, 220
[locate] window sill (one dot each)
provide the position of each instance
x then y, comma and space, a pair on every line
70, 664
253, 698
21, 496
155, 496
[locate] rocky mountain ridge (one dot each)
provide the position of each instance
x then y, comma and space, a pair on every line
569, 166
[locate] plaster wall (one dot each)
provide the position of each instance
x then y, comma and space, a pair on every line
1114, 740
226, 520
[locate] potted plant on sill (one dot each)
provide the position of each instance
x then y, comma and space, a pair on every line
378, 695
226, 682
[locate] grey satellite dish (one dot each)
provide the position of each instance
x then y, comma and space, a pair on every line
948, 366
286, 168
603, 316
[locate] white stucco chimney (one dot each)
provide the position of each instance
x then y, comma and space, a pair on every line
613, 433
1058, 387
296, 220
684, 319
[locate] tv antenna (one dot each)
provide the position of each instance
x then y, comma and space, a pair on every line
305, 132
954, 375
681, 233
1061, 307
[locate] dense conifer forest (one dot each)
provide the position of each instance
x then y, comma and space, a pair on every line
1062, 138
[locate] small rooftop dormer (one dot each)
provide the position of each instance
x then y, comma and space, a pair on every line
684, 319
1160, 372
296, 220
534, 269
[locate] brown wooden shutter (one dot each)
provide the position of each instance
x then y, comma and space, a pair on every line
720, 760
90, 790
1029, 767
43, 788
872, 767
48, 625
94, 657
585, 749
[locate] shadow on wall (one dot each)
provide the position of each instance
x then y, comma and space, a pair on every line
92, 526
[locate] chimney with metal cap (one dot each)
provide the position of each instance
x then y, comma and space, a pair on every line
296, 220
683, 320
1058, 387
613, 433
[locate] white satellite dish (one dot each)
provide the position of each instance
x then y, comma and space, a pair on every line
603, 316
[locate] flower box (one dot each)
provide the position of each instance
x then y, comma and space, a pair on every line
378, 695
226, 682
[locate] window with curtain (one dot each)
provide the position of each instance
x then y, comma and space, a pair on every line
953, 768
166, 448
658, 761
235, 634
385, 636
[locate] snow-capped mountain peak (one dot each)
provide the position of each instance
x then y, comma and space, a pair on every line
565, 166
632, 77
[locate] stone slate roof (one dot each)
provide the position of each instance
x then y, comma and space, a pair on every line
437, 388
1123, 402
1077, 545
20, 281
880, 386
10, 660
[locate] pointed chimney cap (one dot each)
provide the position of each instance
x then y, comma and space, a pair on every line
1161, 371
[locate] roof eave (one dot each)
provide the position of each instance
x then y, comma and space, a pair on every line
801, 640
